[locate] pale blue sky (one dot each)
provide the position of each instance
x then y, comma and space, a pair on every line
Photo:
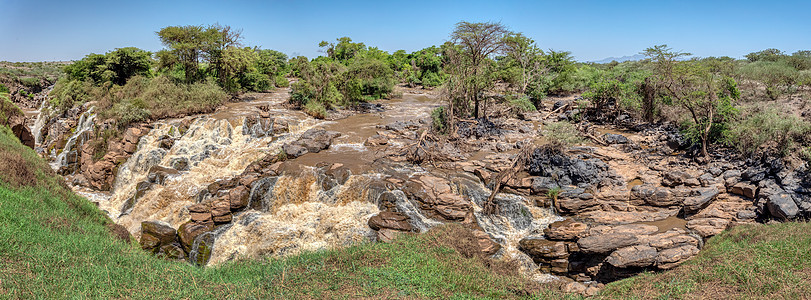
36, 30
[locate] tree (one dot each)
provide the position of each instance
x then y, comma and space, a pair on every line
523, 51
478, 42
342, 51
189, 45
770, 54
124, 63
707, 96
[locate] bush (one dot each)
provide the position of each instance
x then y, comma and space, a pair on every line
281, 81
767, 130
522, 103
563, 133
439, 118
128, 112
4, 89
315, 109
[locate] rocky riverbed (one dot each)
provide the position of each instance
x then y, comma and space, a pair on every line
256, 178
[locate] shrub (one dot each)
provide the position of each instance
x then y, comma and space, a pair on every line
522, 103
767, 130
563, 133
439, 118
281, 81
128, 112
315, 109
4, 89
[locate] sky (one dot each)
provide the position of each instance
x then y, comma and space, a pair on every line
38, 30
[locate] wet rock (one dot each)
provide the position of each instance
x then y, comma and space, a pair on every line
180, 163
316, 140
611, 138
155, 234
566, 230
294, 150
189, 231
482, 128
339, 172
782, 206
575, 205
200, 213
159, 174
633, 256
435, 194
701, 198
562, 170
166, 142
172, 251
402, 126
654, 195
605, 243
376, 140
221, 210
238, 197
670, 258
140, 190
390, 220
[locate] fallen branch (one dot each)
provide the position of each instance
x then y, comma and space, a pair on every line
505, 176
554, 111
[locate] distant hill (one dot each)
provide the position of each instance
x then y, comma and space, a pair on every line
621, 59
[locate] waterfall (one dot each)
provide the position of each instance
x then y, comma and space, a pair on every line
71, 151
42, 119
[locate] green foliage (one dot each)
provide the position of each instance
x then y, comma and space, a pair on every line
351, 74
281, 81
439, 120
315, 109
770, 54
8, 110
116, 66
69, 92
520, 102
272, 62
767, 130
563, 133
129, 111
778, 76
4, 89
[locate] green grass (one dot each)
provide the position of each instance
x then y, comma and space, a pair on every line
54, 244
747, 262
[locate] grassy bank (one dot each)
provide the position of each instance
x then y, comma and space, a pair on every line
747, 262
54, 244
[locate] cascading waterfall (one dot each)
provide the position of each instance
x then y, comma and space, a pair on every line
210, 149
292, 213
42, 119
71, 152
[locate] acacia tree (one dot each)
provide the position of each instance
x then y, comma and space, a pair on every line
706, 95
191, 44
478, 42
524, 52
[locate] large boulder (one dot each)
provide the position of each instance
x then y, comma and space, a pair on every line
782, 206
155, 234
611, 138
238, 197
543, 251
670, 258
190, 231
633, 256
654, 195
566, 230
435, 195
390, 220
700, 199
605, 243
